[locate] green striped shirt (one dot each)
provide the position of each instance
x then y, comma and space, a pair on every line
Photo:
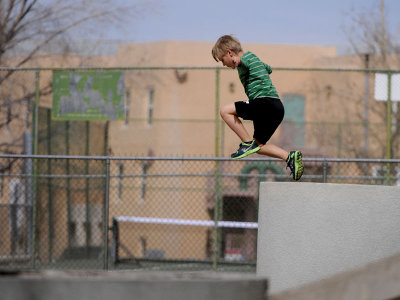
254, 75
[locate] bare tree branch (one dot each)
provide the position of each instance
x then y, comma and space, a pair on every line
31, 26
369, 34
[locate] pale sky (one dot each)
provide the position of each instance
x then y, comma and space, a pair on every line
317, 22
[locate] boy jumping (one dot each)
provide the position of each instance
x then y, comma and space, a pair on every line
263, 107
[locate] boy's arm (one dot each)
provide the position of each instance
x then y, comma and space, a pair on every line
268, 68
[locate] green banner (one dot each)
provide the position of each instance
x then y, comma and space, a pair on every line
88, 95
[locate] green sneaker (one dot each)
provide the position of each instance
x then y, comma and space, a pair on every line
295, 163
245, 149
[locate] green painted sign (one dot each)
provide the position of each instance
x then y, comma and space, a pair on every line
88, 95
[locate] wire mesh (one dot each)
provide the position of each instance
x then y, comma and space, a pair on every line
162, 213
65, 212
328, 112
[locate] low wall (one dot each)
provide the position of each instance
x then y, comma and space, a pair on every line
310, 231
124, 285
377, 280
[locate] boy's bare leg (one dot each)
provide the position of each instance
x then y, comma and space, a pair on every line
228, 114
273, 151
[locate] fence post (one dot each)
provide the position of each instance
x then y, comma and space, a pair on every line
35, 112
68, 183
87, 189
325, 171
106, 212
217, 212
388, 129
217, 200
35, 117
114, 241
217, 104
50, 204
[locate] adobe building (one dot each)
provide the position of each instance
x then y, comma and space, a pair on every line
184, 101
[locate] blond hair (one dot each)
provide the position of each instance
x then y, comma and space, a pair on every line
224, 43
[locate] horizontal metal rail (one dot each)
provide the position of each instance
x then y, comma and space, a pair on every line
143, 68
171, 158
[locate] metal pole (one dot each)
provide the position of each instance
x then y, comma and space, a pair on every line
35, 166
339, 149
106, 213
68, 183
325, 171
217, 211
50, 190
217, 116
339, 142
366, 105
87, 183
216, 246
106, 196
36, 112
388, 128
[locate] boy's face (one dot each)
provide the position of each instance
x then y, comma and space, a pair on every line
230, 59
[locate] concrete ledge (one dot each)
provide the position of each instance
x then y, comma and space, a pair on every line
121, 285
313, 231
379, 280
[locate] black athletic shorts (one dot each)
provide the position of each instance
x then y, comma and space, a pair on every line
266, 114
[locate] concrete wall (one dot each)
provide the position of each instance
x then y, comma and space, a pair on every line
311, 231
376, 281
89, 285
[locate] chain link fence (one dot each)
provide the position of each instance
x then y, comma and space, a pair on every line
328, 112
147, 210
148, 213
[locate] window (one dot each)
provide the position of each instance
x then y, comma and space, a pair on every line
293, 127
150, 105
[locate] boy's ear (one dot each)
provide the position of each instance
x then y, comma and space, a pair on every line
229, 51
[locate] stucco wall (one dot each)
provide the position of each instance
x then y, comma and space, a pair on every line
311, 231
